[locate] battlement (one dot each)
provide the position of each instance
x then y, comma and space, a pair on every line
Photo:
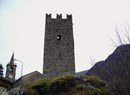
59, 16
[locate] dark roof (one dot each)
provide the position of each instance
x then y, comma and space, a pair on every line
11, 63
4, 82
30, 74
4, 79
12, 59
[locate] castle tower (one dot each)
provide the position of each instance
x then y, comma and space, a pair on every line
11, 69
58, 46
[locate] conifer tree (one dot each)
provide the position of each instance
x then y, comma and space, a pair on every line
1, 70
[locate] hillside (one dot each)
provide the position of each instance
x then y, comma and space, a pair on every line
67, 85
115, 70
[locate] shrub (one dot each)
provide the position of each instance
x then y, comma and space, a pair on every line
94, 81
29, 91
81, 87
69, 84
61, 84
91, 92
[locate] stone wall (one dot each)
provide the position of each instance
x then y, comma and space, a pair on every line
58, 46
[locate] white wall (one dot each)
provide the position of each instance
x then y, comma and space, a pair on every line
15, 90
3, 91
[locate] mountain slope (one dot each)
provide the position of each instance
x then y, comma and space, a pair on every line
115, 70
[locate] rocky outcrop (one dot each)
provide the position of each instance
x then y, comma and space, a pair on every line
115, 70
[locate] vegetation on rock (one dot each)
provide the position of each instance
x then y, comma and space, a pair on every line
67, 85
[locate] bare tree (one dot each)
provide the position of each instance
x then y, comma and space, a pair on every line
92, 61
122, 36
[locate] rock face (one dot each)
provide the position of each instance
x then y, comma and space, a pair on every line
115, 70
81, 73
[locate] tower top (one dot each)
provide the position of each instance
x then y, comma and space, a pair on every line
12, 60
59, 16
11, 69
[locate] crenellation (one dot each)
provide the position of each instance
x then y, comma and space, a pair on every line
59, 16
48, 15
69, 17
48, 18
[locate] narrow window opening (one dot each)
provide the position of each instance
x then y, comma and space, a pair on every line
59, 24
11, 69
59, 54
58, 37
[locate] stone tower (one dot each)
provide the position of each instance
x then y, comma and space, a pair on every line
11, 69
58, 46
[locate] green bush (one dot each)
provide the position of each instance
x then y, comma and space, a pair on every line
29, 91
91, 92
81, 87
61, 84
70, 84
94, 81
35, 87
41, 86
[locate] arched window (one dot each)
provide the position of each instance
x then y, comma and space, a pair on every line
11, 69
58, 37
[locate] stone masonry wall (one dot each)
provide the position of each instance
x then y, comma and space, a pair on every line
58, 46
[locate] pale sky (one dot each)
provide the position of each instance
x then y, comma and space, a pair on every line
22, 27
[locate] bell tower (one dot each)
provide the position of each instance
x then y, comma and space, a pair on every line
59, 57
11, 69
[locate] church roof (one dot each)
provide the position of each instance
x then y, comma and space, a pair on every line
12, 60
24, 80
34, 73
4, 82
